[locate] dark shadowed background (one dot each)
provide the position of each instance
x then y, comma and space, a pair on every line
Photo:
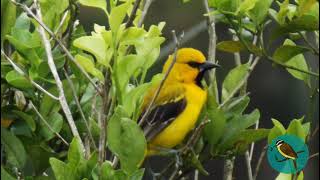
272, 90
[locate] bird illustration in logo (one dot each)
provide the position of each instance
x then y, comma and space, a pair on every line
287, 152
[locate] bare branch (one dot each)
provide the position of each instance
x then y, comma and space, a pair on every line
259, 162
314, 155
47, 124
20, 71
144, 12
74, 93
143, 119
228, 169
53, 69
248, 163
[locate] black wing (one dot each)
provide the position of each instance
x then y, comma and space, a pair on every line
161, 116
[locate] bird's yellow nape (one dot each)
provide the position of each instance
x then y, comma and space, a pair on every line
184, 56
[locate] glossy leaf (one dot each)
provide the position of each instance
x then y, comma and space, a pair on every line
117, 16
101, 4
233, 79
88, 66
14, 147
260, 11
95, 45
17, 80
124, 133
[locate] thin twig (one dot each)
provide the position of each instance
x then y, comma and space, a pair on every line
144, 12
53, 69
305, 39
248, 163
259, 162
145, 115
74, 93
212, 47
195, 136
314, 155
133, 13
45, 27
47, 124
63, 19
21, 72
106, 102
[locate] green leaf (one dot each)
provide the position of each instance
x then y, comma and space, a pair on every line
193, 160
292, 55
8, 17
5, 175
39, 157
227, 6
117, 16
230, 46
260, 11
237, 105
239, 123
283, 176
52, 12
241, 141
95, 45
88, 66
17, 80
246, 5
276, 131
61, 170
137, 175
295, 128
14, 147
102, 4
28, 118
55, 121
233, 79
285, 52
106, 171
305, 6
215, 129
75, 154
126, 140
127, 66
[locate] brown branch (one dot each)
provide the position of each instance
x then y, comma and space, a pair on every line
314, 155
145, 9
143, 119
133, 13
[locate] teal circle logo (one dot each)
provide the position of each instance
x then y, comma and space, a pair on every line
288, 154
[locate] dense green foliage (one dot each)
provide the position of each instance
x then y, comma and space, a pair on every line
34, 125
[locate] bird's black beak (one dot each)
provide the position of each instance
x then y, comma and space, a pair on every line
207, 65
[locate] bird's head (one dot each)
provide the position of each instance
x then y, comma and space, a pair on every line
279, 142
190, 66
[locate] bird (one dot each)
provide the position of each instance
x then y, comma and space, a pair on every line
288, 152
176, 109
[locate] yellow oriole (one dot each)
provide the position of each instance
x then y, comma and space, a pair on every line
178, 105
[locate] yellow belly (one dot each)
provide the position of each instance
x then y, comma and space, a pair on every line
184, 123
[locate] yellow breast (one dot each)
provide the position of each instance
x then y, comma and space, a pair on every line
185, 122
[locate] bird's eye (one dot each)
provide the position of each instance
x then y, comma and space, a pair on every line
194, 64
